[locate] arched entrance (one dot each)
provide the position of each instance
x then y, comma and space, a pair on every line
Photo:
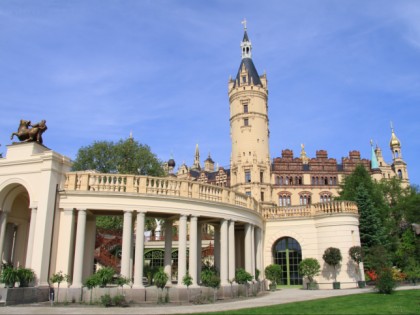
288, 254
14, 229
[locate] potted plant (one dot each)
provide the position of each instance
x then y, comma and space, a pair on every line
310, 268
332, 256
160, 279
242, 277
356, 254
25, 276
9, 276
105, 276
273, 273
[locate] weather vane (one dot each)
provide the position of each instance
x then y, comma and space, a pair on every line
244, 23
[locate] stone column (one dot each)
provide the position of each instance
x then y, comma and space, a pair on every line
168, 250
217, 246
258, 253
224, 266
193, 250
32, 226
253, 250
248, 248
79, 249
9, 242
199, 251
182, 249
232, 263
126, 244
3, 224
139, 256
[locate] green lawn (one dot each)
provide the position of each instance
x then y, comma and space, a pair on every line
400, 302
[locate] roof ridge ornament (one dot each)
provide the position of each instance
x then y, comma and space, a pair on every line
244, 24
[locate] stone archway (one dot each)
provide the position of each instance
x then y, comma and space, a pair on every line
15, 224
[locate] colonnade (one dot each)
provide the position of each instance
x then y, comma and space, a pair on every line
224, 251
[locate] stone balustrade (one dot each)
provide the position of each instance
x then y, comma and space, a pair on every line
166, 186
163, 186
333, 207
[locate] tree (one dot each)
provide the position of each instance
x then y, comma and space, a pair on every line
160, 279
332, 256
187, 280
123, 157
310, 268
371, 230
59, 277
243, 277
273, 273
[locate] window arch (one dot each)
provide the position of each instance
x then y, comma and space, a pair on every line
284, 199
399, 174
287, 253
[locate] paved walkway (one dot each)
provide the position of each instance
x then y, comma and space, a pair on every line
271, 298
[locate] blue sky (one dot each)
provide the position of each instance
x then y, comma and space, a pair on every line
338, 73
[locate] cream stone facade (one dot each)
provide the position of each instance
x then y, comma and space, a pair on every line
261, 211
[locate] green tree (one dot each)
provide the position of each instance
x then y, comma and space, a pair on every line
273, 273
123, 157
310, 268
371, 230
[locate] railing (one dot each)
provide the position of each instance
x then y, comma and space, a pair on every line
333, 207
163, 186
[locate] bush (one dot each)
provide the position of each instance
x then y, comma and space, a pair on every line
160, 278
385, 282
310, 268
105, 276
273, 273
9, 276
25, 276
106, 300
242, 276
119, 300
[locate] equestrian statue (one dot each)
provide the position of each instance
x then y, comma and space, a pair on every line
26, 134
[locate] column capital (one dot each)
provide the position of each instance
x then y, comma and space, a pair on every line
68, 210
34, 208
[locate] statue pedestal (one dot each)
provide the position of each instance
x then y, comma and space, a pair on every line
23, 150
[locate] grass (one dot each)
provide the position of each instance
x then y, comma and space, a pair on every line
400, 302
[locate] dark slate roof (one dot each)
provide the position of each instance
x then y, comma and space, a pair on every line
252, 72
245, 39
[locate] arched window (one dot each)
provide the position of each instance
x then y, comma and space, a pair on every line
399, 174
288, 254
281, 180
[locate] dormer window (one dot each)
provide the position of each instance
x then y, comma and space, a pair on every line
244, 79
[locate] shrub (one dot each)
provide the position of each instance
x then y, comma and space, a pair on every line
242, 276
310, 268
105, 276
160, 278
273, 273
90, 283
119, 300
412, 270
25, 276
9, 276
106, 300
385, 282
332, 256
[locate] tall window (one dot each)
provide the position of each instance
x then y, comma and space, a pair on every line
247, 176
288, 254
261, 177
246, 122
245, 108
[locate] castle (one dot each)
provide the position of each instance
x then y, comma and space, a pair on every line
261, 210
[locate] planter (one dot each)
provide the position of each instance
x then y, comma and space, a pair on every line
336, 285
311, 286
273, 286
361, 284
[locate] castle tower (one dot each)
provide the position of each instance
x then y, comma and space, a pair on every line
398, 164
250, 157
